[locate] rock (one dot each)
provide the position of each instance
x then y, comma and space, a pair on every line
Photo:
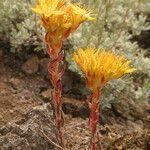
14, 142
80, 92
27, 135
67, 82
75, 108
44, 66
31, 66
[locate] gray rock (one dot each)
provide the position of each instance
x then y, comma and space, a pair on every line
14, 142
31, 66
26, 134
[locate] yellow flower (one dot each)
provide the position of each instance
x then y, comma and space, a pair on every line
50, 11
100, 67
77, 15
60, 19
48, 7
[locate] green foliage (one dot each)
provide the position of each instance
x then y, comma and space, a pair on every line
117, 23
19, 25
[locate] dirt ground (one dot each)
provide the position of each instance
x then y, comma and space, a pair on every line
20, 92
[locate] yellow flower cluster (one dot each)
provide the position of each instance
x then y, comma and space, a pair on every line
100, 67
60, 19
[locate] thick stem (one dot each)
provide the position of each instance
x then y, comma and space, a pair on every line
94, 117
55, 76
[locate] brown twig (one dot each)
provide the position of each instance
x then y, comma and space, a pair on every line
56, 145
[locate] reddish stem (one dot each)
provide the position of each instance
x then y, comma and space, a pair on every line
94, 117
55, 77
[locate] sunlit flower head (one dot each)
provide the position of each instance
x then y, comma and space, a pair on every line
60, 19
77, 15
46, 8
100, 67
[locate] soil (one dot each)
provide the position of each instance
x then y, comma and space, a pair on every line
21, 93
